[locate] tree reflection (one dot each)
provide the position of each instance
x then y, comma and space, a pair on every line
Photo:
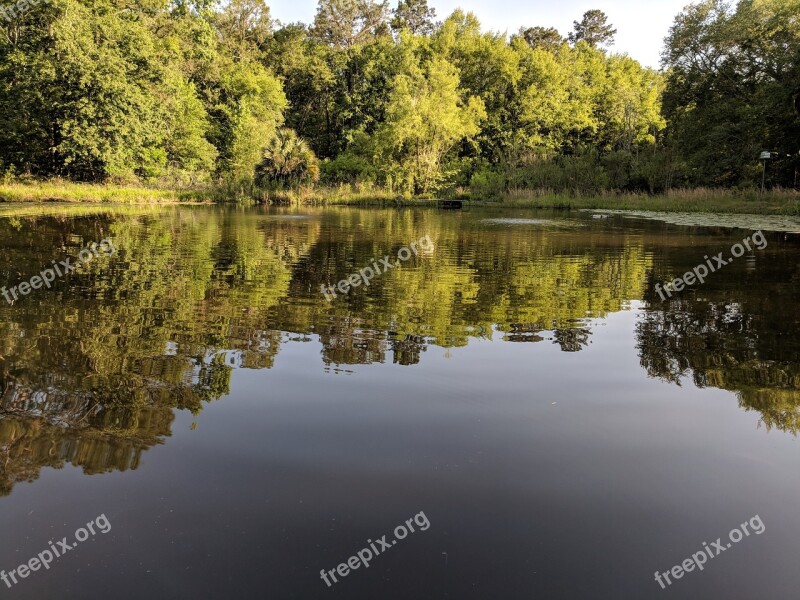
747, 345
92, 370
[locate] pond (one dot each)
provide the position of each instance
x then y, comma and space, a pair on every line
246, 403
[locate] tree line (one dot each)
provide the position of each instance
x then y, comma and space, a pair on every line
180, 93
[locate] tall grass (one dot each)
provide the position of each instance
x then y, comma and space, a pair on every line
66, 191
344, 194
779, 202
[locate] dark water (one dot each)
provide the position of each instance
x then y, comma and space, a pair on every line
563, 431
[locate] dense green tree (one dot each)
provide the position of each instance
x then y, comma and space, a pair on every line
309, 73
333, 92
248, 110
346, 23
191, 92
547, 38
415, 16
556, 98
732, 85
246, 24
426, 117
593, 29
489, 69
108, 92
630, 107
80, 108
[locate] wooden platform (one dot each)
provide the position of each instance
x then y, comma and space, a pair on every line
450, 204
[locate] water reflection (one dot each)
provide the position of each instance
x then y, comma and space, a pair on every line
747, 346
92, 369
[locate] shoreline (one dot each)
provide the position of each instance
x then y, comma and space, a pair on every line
703, 200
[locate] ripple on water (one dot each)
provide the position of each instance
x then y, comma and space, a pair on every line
285, 217
509, 221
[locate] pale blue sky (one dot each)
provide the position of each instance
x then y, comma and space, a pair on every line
642, 24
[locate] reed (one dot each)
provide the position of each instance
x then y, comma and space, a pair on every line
699, 200
67, 191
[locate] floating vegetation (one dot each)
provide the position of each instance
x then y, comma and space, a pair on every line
514, 222
741, 221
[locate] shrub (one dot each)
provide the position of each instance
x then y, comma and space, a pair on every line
487, 184
287, 161
348, 168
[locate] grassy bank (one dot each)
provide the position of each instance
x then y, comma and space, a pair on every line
703, 200
65, 191
700, 200
70, 192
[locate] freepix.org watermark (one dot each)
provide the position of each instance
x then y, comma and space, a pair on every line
59, 268
701, 271
365, 555
56, 550
9, 12
367, 274
699, 559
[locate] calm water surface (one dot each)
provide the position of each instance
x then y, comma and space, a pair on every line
564, 431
